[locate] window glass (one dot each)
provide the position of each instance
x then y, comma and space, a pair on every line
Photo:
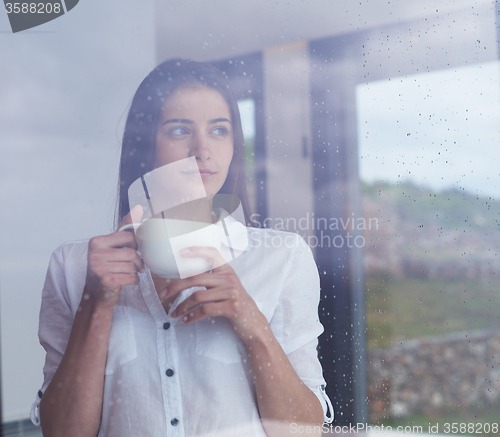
428, 148
320, 97
247, 113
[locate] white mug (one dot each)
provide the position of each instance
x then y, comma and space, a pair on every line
161, 240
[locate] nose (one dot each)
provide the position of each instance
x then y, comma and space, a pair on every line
200, 148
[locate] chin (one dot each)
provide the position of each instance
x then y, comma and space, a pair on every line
212, 190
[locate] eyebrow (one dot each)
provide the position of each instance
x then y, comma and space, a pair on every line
178, 120
187, 121
219, 120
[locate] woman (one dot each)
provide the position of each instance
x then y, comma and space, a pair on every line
231, 351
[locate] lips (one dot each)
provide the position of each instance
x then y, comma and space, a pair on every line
204, 172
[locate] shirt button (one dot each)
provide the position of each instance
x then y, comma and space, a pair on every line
169, 372
166, 325
174, 422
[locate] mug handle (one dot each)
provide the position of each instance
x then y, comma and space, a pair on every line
126, 227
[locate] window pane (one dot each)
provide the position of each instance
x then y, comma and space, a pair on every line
428, 147
247, 113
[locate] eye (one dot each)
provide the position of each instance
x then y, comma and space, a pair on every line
220, 130
179, 130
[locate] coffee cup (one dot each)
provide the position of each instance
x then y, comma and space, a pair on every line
161, 241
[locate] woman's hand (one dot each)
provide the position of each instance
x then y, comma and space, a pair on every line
273, 375
225, 296
112, 263
72, 403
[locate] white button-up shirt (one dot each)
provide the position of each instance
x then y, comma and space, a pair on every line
167, 378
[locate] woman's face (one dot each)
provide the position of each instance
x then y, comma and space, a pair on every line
196, 122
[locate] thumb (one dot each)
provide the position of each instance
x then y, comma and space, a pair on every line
136, 214
133, 217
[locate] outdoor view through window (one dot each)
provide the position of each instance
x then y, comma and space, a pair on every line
427, 149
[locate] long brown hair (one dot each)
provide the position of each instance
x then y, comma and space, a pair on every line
139, 137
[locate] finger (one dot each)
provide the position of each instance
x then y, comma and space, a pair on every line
202, 297
208, 280
114, 282
113, 269
134, 216
136, 260
114, 240
211, 254
121, 267
113, 255
210, 309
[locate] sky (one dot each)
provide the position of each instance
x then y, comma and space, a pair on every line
438, 129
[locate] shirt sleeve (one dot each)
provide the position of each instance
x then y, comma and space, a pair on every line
296, 324
56, 319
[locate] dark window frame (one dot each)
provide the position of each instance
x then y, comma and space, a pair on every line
246, 75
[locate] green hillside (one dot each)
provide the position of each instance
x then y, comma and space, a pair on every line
451, 208
448, 244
